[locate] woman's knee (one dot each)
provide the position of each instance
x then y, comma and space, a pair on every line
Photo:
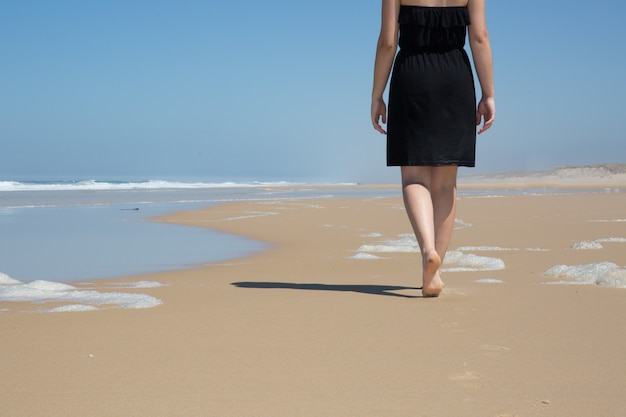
444, 177
416, 175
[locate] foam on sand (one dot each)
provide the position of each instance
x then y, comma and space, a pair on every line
602, 273
405, 243
79, 300
362, 255
460, 224
248, 215
489, 281
587, 245
138, 284
7, 280
68, 308
609, 221
372, 234
596, 244
497, 249
457, 261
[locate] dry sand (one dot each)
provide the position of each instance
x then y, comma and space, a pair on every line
304, 330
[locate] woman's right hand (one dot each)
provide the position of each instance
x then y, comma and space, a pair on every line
485, 113
379, 113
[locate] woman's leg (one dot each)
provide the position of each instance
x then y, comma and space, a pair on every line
430, 200
443, 192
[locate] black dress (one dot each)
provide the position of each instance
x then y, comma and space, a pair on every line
432, 103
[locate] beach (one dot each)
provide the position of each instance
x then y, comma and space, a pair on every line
328, 320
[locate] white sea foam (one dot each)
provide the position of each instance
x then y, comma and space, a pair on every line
457, 261
485, 196
47, 291
460, 224
362, 255
139, 185
248, 215
609, 221
7, 280
373, 234
587, 244
139, 284
612, 240
489, 281
597, 244
485, 248
405, 243
602, 273
401, 245
497, 248
68, 308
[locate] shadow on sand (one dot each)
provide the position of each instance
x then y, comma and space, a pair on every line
363, 289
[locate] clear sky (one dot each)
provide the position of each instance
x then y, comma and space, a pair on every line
272, 90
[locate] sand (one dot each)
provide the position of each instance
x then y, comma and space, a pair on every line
303, 329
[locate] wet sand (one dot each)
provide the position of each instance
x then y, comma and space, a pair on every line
305, 329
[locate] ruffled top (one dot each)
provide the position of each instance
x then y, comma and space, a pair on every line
432, 28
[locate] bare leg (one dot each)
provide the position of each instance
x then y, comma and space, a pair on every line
430, 200
443, 192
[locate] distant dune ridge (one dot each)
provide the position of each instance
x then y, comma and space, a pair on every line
586, 176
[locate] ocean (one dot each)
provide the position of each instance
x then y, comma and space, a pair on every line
66, 231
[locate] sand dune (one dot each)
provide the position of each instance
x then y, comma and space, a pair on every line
576, 177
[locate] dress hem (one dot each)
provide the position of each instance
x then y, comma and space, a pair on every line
434, 164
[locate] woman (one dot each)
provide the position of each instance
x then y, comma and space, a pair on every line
432, 118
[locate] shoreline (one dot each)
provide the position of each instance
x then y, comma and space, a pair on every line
501, 189
305, 328
534, 183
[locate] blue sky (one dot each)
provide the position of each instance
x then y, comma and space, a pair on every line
280, 90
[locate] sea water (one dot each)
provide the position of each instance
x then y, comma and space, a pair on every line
85, 230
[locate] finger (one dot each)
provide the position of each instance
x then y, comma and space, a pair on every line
489, 121
378, 127
375, 120
486, 125
376, 124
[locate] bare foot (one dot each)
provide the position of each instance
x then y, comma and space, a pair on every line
433, 285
